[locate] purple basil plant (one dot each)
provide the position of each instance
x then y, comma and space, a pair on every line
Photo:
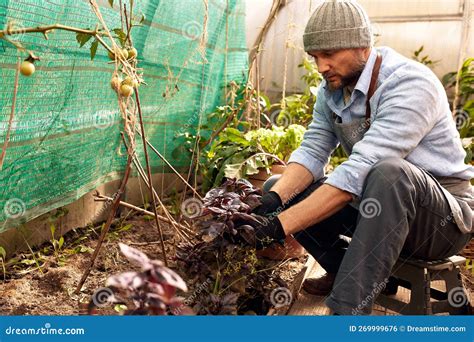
150, 291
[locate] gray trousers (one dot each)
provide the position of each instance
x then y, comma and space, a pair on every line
402, 212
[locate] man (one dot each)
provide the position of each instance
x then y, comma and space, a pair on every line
404, 189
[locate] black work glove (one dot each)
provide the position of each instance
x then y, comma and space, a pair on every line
271, 202
267, 230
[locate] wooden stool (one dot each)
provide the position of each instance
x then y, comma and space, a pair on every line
417, 276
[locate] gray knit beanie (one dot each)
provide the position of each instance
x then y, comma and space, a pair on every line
338, 24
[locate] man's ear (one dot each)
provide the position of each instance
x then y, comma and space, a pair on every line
366, 51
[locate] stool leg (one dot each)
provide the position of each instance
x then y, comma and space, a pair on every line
427, 295
417, 279
453, 282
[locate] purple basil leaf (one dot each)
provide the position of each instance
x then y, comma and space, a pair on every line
215, 229
134, 255
253, 201
156, 301
216, 210
248, 234
164, 275
244, 217
178, 307
230, 299
156, 288
126, 280
244, 207
213, 194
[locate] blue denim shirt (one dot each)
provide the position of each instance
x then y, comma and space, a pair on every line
410, 119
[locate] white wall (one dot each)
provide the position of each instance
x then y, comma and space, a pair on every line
402, 24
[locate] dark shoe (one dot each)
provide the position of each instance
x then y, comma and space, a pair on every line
321, 286
391, 288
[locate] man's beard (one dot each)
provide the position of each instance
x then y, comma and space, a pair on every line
352, 77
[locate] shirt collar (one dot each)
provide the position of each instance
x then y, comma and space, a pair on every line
364, 80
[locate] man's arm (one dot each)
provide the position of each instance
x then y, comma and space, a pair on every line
306, 163
321, 204
294, 180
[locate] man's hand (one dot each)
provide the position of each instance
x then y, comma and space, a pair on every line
267, 230
271, 202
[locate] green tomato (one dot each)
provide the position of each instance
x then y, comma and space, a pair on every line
126, 90
132, 53
27, 68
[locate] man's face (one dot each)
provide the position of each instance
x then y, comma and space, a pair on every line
341, 68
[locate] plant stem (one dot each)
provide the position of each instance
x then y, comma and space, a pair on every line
219, 130
148, 169
171, 166
175, 225
113, 210
121, 14
170, 219
43, 29
102, 198
33, 253
259, 271
47, 28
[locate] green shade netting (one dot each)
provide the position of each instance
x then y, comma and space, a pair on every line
65, 137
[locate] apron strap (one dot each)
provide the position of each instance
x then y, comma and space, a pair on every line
372, 87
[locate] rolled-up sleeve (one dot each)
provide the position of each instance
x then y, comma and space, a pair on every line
319, 141
407, 112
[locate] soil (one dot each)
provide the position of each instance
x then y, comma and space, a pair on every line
51, 291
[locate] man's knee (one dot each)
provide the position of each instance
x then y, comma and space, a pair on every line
387, 170
391, 175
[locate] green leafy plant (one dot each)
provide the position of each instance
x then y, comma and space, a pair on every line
57, 244
3, 256
298, 108
426, 60
237, 145
236, 154
464, 113
466, 82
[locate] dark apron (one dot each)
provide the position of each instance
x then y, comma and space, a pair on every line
350, 133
